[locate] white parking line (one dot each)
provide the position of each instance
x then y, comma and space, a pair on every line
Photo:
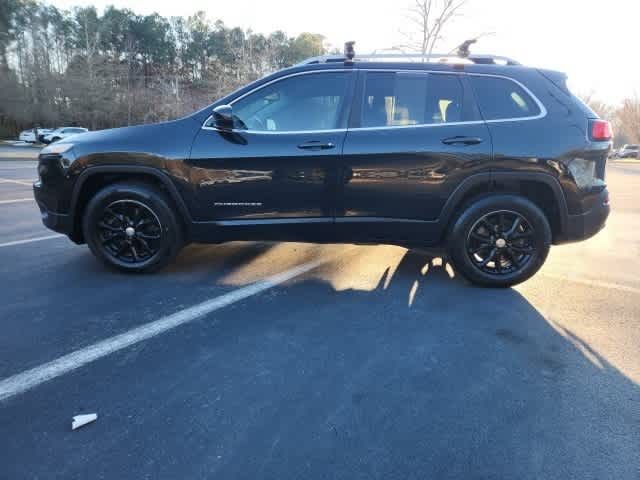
28, 379
30, 240
16, 200
19, 182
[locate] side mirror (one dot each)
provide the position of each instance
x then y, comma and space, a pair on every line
223, 118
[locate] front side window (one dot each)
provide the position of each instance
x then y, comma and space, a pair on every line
500, 98
298, 103
401, 99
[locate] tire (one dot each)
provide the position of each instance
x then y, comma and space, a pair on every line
54, 139
489, 248
131, 226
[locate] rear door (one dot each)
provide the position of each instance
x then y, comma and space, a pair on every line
413, 137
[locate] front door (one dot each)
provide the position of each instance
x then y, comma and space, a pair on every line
415, 136
277, 170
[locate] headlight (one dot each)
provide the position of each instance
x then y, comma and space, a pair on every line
56, 148
583, 172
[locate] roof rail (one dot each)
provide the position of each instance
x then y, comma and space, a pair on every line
416, 57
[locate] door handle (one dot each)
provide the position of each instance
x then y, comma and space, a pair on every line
316, 145
461, 140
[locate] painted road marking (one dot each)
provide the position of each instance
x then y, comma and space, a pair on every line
19, 182
17, 200
30, 240
28, 379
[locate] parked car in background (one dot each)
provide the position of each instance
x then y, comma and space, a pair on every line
63, 132
43, 132
629, 151
28, 136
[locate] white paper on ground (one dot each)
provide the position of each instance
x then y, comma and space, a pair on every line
82, 420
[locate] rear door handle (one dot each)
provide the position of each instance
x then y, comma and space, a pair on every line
461, 140
316, 145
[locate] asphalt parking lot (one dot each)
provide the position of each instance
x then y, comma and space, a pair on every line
357, 362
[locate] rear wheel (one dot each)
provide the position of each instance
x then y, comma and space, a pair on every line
132, 227
499, 241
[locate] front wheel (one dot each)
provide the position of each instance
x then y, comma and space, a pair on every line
132, 227
499, 241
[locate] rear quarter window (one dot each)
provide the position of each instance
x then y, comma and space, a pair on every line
501, 99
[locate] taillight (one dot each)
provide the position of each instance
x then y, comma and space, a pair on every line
601, 130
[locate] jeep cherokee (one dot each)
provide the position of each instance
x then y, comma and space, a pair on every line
486, 160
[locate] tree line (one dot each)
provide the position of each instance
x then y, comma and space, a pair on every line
624, 118
115, 68
100, 70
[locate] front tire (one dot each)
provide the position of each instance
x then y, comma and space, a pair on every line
499, 241
132, 227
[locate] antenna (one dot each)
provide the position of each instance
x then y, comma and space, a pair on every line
463, 48
349, 52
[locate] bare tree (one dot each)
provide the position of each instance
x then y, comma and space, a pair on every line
604, 110
430, 17
627, 120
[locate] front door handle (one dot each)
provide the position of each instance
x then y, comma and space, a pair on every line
316, 145
461, 140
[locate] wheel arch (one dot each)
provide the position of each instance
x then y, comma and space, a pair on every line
93, 179
541, 188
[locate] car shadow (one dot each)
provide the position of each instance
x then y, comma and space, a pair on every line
421, 372
380, 363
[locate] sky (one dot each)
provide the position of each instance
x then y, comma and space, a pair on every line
595, 42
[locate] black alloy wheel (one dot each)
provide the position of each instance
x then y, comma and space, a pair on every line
499, 240
133, 227
501, 243
130, 231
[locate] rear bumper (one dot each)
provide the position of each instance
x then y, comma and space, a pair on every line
586, 225
58, 222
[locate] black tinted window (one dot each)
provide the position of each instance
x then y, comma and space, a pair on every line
397, 99
302, 102
499, 98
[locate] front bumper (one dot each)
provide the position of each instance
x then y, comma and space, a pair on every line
586, 225
58, 222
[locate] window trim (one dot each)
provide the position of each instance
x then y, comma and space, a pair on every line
346, 101
541, 114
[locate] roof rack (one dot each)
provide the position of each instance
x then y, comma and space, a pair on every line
461, 56
416, 57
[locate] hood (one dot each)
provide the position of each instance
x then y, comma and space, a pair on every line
168, 139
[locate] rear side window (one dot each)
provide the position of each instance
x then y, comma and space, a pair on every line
402, 99
500, 98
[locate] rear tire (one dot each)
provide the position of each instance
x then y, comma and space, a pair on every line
132, 227
499, 241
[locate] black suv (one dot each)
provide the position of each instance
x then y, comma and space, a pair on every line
479, 157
